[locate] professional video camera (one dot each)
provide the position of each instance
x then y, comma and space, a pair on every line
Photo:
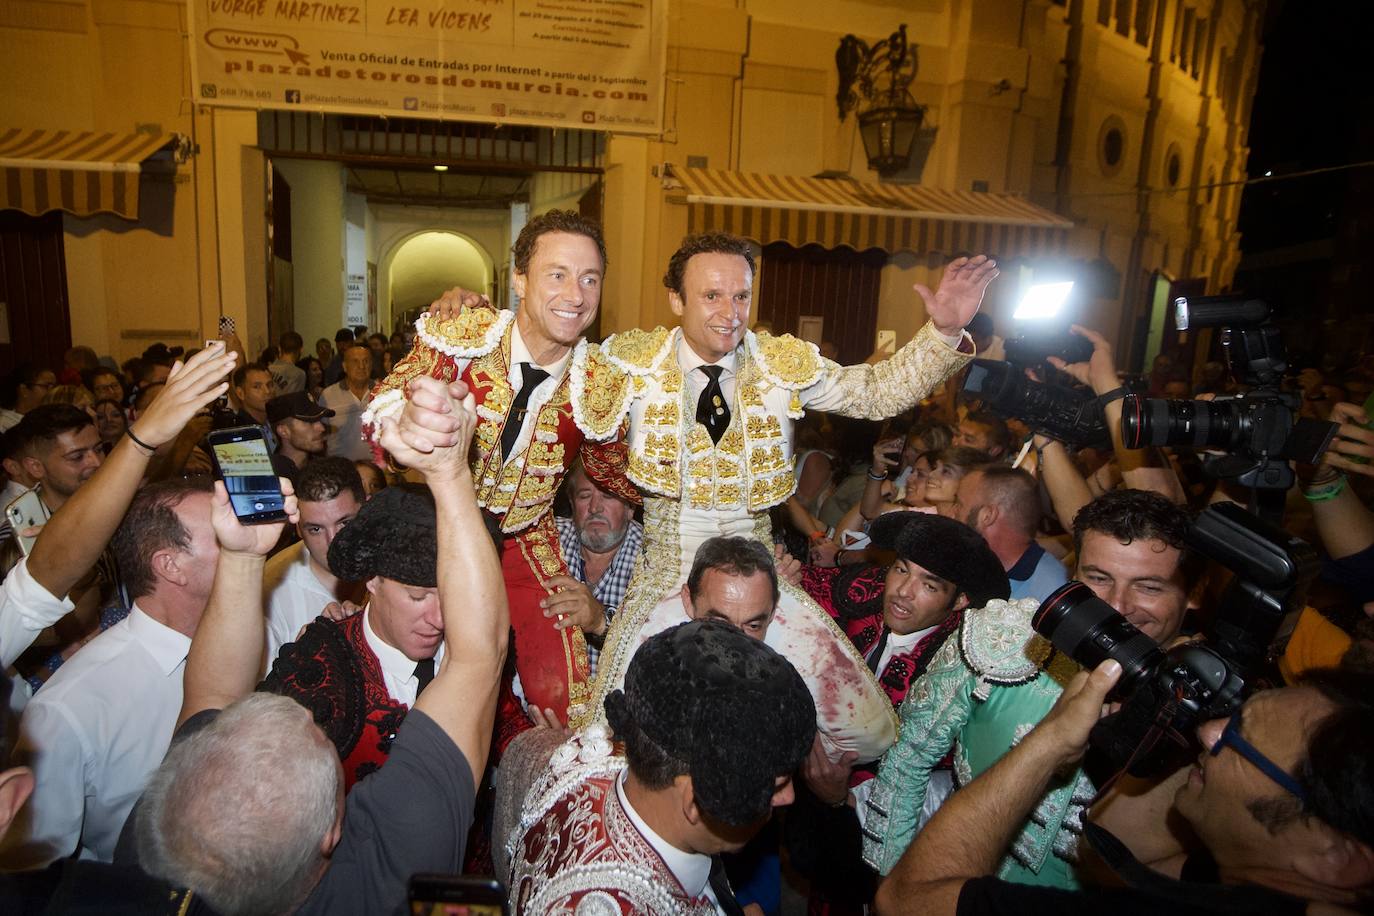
1260, 430
1167, 694
1068, 414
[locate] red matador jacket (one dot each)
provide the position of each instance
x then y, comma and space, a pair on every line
474, 346
331, 671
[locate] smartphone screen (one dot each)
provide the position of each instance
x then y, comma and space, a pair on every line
243, 463
456, 895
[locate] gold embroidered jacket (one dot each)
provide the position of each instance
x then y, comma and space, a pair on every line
777, 379
475, 346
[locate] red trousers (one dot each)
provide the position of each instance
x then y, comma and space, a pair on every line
552, 663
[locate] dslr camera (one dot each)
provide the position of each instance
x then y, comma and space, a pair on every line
1260, 431
1166, 694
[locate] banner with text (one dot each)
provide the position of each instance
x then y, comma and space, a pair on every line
594, 64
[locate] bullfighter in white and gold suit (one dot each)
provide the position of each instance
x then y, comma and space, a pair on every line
708, 411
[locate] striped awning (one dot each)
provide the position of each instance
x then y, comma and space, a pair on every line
835, 212
81, 172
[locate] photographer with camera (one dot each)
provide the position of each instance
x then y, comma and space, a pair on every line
1141, 469
997, 679
1279, 799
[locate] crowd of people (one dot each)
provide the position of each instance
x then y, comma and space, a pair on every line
690, 620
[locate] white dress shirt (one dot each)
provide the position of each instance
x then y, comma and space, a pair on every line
520, 353
346, 426
94, 734
398, 671
293, 596
897, 644
692, 870
26, 609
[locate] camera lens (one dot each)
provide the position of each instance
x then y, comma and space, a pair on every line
1088, 630
1196, 424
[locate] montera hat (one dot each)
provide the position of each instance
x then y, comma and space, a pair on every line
733, 710
393, 535
947, 548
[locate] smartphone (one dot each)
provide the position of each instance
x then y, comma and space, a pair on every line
244, 464
895, 471
26, 511
456, 895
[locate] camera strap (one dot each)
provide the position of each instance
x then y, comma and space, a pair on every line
1159, 729
1116, 394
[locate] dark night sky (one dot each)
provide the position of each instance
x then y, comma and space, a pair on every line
1313, 109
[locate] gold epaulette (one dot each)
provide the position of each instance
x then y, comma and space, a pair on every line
471, 333
635, 351
786, 361
601, 392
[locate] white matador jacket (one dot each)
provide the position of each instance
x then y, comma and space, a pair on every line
695, 489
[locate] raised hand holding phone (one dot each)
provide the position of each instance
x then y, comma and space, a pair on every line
255, 539
244, 467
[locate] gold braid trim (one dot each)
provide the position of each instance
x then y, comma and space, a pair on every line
472, 332
655, 574
638, 352
601, 393
540, 549
786, 361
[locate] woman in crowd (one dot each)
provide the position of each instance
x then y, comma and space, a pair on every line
110, 423
314, 375
950, 467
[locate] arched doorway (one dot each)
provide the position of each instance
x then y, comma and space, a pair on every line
420, 267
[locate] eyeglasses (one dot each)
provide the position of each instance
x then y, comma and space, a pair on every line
1231, 737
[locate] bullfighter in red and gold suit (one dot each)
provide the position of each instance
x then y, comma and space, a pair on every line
529, 373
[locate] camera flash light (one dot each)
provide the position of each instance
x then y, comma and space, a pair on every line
1043, 300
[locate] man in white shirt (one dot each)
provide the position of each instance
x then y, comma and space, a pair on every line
348, 399
33, 596
100, 726
713, 724
298, 584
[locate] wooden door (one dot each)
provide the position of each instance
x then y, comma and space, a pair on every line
837, 285
35, 326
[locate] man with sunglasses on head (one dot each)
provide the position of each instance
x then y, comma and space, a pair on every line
1280, 803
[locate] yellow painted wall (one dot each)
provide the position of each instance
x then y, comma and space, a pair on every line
426, 265
750, 85
317, 243
394, 225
